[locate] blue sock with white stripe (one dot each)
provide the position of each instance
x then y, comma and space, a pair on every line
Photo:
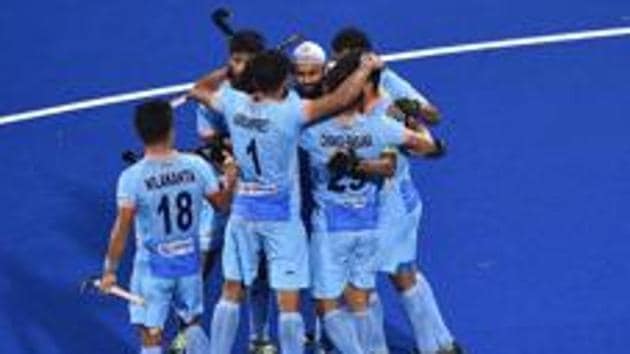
342, 332
196, 340
378, 343
224, 326
444, 337
291, 333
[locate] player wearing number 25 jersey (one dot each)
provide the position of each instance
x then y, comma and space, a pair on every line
163, 193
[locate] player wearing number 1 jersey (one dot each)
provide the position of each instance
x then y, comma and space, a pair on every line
163, 193
264, 127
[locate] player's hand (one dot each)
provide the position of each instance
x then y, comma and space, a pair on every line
230, 168
108, 279
430, 113
343, 162
371, 61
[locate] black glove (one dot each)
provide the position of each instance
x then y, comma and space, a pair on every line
213, 151
130, 157
410, 113
344, 162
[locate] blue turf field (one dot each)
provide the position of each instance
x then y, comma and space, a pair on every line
526, 229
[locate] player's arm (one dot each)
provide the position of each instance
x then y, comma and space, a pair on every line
117, 242
421, 141
205, 90
384, 166
345, 94
222, 198
346, 162
399, 88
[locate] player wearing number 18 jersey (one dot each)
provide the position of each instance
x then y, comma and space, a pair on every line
163, 192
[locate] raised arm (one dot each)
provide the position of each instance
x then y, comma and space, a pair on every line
400, 89
117, 242
222, 199
345, 94
206, 88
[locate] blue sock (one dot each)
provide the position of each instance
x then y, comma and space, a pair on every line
259, 294
224, 326
444, 337
291, 333
341, 331
151, 350
418, 315
196, 340
363, 328
378, 343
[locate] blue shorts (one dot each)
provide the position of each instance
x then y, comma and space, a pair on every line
343, 258
398, 241
284, 245
160, 295
211, 229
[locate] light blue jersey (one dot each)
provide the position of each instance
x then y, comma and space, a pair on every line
346, 203
167, 194
400, 210
264, 137
265, 215
396, 87
344, 243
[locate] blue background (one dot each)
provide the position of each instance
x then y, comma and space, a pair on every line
525, 235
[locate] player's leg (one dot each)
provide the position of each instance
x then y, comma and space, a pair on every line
329, 259
151, 340
150, 318
377, 342
286, 249
239, 252
363, 266
190, 297
259, 296
416, 295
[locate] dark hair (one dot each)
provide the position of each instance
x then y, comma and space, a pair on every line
343, 68
351, 38
269, 70
247, 41
153, 121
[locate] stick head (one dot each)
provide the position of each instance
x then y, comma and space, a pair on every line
220, 18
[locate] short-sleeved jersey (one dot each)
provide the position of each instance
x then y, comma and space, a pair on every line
345, 203
167, 194
396, 87
400, 189
264, 138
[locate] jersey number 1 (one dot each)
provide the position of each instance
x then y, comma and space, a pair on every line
253, 151
183, 202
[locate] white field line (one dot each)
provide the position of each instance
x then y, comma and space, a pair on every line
407, 55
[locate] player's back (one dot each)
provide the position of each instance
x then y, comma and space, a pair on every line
335, 194
167, 193
264, 138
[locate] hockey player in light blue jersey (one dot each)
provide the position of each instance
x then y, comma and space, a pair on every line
346, 161
264, 128
163, 194
400, 213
